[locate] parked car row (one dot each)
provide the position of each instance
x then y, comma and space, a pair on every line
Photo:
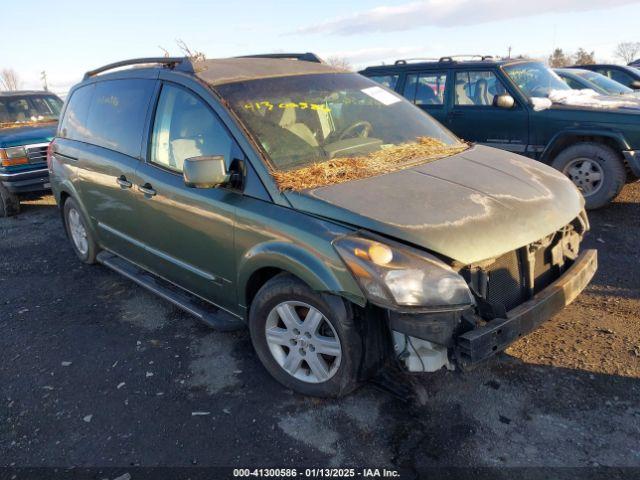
170, 173
493, 103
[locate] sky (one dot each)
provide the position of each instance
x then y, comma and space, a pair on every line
67, 38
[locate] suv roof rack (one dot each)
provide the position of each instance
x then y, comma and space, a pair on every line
305, 57
453, 58
180, 63
404, 61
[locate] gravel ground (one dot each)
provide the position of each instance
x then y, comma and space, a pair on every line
97, 372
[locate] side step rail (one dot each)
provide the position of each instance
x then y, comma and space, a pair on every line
209, 314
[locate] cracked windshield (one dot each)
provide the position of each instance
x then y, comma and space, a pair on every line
335, 127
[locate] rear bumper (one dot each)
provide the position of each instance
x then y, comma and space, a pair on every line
496, 335
27, 181
633, 160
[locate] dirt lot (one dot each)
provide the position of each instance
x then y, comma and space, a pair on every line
95, 371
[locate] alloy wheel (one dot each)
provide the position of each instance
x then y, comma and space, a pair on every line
586, 174
303, 342
78, 232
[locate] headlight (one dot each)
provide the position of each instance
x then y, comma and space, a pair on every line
397, 276
13, 156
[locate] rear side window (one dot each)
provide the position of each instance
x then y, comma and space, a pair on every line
621, 77
74, 123
117, 114
426, 88
389, 81
573, 83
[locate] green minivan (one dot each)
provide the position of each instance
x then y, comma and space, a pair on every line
346, 227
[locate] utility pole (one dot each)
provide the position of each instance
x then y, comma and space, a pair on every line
43, 77
509, 56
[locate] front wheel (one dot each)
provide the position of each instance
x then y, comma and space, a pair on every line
9, 203
597, 171
306, 340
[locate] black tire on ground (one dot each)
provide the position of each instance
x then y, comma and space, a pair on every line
287, 288
9, 202
89, 256
612, 165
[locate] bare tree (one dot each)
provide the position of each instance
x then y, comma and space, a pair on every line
582, 57
339, 62
627, 51
9, 80
558, 59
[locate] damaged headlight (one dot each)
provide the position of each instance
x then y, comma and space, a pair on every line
397, 276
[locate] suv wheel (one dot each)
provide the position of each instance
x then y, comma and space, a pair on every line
596, 169
81, 238
9, 203
306, 340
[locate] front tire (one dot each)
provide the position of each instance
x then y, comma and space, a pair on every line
597, 171
81, 237
306, 340
9, 203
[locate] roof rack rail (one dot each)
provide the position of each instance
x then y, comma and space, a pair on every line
305, 57
453, 58
180, 63
404, 61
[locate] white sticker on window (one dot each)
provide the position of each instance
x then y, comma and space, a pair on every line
381, 95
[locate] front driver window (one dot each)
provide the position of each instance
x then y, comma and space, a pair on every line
477, 88
185, 127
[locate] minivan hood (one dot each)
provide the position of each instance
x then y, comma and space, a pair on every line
32, 133
469, 207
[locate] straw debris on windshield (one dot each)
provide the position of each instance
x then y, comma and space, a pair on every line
385, 160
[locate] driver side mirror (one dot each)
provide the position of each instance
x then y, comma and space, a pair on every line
207, 171
504, 101
635, 84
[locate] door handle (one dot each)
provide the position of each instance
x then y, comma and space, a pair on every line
123, 182
455, 113
147, 189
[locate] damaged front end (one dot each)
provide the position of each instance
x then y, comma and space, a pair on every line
514, 293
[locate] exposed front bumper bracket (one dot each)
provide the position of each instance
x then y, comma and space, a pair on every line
493, 337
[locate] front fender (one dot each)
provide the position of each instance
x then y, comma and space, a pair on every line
328, 275
614, 135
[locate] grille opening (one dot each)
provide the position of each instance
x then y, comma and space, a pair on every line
505, 284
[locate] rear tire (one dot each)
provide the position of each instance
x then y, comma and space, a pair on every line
316, 350
585, 162
79, 234
9, 202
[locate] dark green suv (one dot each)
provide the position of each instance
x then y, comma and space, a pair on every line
343, 225
502, 104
